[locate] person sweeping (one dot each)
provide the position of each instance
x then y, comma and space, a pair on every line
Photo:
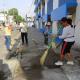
68, 41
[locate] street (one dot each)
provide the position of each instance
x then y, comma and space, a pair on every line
39, 39
28, 68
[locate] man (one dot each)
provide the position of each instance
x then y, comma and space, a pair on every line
68, 37
8, 31
24, 33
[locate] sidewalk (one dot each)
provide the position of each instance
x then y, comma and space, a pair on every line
32, 69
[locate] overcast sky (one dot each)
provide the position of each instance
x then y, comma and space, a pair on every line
24, 6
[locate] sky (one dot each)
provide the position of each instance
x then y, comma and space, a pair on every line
24, 6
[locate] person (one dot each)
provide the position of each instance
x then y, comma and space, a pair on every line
46, 36
68, 41
8, 31
24, 33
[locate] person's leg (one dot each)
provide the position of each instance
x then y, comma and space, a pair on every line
46, 39
9, 38
7, 42
63, 51
69, 55
22, 37
60, 62
26, 38
70, 59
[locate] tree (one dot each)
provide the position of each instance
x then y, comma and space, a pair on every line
13, 12
18, 19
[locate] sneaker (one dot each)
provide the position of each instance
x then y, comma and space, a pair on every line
59, 63
70, 63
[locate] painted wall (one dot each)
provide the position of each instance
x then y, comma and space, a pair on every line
54, 24
46, 6
61, 2
77, 22
43, 11
50, 6
55, 4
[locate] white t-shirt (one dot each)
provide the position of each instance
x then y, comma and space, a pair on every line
68, 34
23, 29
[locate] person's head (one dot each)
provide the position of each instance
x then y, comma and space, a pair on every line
64, 22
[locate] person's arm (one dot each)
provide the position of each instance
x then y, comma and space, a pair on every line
64, 34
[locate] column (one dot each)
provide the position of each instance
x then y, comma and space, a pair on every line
54, 24
46, 6
77, 22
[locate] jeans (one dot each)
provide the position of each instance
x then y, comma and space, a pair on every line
8, 41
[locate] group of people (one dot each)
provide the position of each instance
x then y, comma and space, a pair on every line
68, 40
7, 31
67, 37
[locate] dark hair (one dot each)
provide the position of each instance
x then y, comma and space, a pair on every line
69, 20
64, 19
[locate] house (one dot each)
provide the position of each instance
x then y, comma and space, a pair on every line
54, 10
3, 17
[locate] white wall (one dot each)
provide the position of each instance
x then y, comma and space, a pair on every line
54, 25
2, 17
77, 22
55, 4
46, 6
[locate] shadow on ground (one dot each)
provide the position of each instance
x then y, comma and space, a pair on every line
5, 72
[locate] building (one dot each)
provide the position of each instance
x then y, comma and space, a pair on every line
30, 21
54, 10
10, 19
3, 17
6, 18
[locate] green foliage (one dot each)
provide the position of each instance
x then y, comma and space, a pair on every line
13, 12
18, 19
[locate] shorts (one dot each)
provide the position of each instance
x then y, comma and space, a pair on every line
66, 47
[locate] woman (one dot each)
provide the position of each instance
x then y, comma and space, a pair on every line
69, 40
8, 31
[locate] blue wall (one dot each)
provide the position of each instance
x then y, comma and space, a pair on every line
61, 2
50, 7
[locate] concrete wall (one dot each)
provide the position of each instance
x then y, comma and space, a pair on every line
46, 6
77, 22
54, 25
